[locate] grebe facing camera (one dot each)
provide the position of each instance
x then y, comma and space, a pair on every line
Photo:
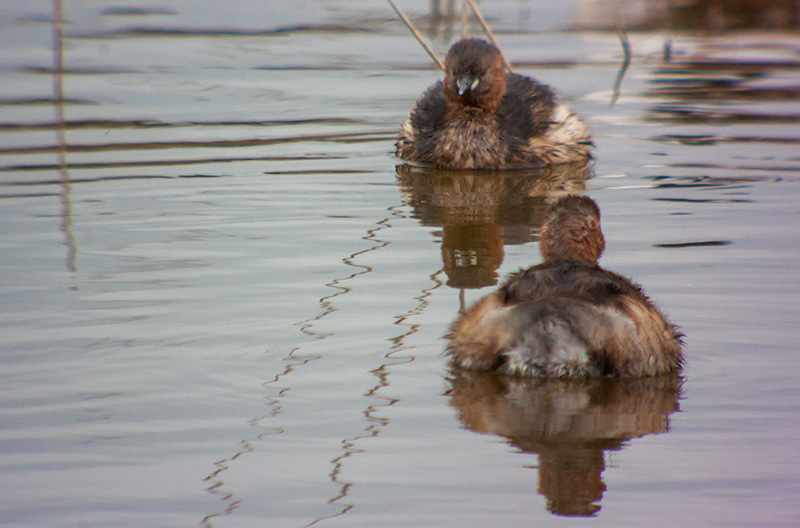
480, 117
567, 317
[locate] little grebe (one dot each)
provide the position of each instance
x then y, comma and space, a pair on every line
481, 117
567, 317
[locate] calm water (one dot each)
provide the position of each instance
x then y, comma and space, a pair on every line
222, 304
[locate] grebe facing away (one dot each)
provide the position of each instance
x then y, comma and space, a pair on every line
567, 317
481, 117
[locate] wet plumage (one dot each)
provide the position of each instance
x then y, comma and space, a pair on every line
480, 117
567, 317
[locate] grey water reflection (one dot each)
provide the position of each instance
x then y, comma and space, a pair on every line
481, 211
570, 425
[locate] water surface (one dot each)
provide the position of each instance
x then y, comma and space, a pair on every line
223, 301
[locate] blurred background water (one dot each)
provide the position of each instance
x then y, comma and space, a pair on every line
222, 302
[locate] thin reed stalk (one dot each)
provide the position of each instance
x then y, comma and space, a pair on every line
416, 34
488, 31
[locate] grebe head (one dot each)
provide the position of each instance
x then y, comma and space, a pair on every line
572, 231
474, 75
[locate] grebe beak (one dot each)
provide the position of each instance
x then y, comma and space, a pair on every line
466, 83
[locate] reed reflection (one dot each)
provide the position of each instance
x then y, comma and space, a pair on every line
725, 81
61, 137
570, 425
715, 91
481, 211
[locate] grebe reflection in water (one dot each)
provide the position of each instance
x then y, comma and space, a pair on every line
570, 425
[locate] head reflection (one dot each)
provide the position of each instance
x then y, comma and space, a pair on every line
481, 211
568, 424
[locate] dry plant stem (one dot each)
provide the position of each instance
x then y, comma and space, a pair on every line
416, 34
463, 19
488, 31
